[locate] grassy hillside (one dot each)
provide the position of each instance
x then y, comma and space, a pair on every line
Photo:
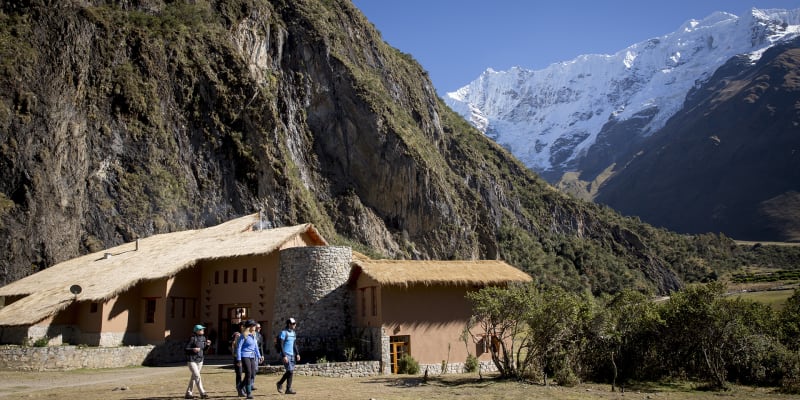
122, 120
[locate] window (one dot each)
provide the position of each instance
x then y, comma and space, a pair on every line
374, 302
363, 302
93, 308
149, 311
244, 275
216, 277
225, 276
255, 277
235, 276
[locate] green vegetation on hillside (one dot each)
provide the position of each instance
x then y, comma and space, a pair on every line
174, 127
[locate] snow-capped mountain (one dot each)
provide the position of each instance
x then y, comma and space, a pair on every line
552, 118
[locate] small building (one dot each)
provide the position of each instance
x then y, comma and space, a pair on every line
420, 308
152, 291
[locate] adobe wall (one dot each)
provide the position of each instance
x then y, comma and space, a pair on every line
313, 289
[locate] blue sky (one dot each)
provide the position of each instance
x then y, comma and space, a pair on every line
456, 40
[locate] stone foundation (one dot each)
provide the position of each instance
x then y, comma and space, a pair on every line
62, 358
353, 369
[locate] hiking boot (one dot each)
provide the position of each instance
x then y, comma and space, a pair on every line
290, 391
188, 396
280, 387
204, 395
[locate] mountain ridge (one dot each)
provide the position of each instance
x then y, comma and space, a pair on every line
581, 124
550, 118
123, 120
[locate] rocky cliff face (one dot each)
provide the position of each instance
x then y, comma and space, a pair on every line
123, 119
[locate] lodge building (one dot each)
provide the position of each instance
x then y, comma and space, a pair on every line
152, 291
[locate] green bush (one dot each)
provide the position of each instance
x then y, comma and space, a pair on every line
566, 377
407, 365
41, 342
471, 364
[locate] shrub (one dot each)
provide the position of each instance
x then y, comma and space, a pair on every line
471, 364
41, 342
566, 377
407, 365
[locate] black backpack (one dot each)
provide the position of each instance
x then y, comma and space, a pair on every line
278, 343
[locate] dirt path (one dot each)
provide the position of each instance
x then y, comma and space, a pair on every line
164, 383
13, 383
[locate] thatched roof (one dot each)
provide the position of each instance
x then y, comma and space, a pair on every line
453, 273
47, 292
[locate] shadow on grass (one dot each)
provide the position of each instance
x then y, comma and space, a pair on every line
445, 381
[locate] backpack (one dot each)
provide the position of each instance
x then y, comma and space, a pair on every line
234, 340
278, 343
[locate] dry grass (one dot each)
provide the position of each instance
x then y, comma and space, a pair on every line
170, 382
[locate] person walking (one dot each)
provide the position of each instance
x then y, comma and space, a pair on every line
248, 356
195, 348
237, 367
289, 355
260, 342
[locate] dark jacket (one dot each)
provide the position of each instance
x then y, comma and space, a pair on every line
195, 342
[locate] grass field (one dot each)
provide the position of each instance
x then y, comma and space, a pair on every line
774, 298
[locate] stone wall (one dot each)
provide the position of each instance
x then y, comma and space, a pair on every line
455, 368
351, 369
60, 358
313, 289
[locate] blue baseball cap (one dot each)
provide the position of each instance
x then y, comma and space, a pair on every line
199, 327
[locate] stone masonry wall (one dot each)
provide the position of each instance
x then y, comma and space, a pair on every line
353, 369
312, 289
61, 358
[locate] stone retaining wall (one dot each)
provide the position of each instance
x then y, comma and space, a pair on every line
455, 368
61, 358
352, 369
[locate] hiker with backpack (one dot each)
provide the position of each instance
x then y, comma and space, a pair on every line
237, 367
194, 349
289, 355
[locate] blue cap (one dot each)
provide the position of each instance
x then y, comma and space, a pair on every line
199, 327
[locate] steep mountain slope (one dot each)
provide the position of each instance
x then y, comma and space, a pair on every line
578, 122
729, 161
579, 116
125, 119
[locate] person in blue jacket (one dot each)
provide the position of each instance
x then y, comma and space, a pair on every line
248, 357
289, 354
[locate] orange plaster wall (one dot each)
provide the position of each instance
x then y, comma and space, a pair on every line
258, 296
364, 317
433, 317
183, 303
151, 333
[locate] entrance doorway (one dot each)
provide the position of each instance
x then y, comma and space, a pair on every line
398, 346
230, 316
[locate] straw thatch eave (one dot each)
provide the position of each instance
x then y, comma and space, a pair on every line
405, 273
161, 256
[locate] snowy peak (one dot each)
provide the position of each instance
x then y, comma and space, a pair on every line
551, 118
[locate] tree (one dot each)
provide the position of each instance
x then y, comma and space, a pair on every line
624, 329
555, 327
790, 322
498, 316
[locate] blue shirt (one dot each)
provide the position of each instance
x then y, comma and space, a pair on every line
248, 348
288, 337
